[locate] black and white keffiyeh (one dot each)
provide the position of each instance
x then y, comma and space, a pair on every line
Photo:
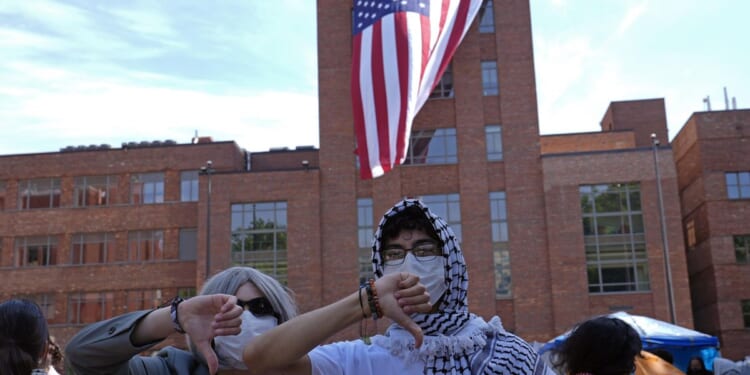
480, 348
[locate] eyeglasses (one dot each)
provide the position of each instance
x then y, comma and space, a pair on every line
260, 306
427, 250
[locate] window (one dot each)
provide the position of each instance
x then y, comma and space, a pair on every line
86, 308
146, 246
746, 312
36, 251
39, 193
46, 302
189, 186
437, 146
94, 190
447, 206
147, 188
501, 254
91, 248
487, 17
489, 78
742, 248
444, 87
365, 230
616, 258
738, 185
690, 231
259, 237
2, 195
186, 292
188, 243
143, 299
494, 138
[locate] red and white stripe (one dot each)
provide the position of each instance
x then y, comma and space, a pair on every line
396, 63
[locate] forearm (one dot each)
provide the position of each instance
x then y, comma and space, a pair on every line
286, 345
156, 326
105, 347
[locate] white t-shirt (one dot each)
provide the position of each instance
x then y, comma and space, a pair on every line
388, 355
356, 357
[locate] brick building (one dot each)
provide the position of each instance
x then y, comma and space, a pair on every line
711, 152
554, 229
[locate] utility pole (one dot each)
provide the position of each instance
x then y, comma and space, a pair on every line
208, 170
664, 240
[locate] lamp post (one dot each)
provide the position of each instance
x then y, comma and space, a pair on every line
662, 222
208, 170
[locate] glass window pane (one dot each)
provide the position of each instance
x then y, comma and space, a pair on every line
613, 234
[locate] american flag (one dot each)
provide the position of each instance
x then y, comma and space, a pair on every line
400, 50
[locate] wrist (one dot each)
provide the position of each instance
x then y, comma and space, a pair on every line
175, 310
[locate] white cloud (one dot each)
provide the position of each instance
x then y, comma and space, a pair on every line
104, 112
631, 17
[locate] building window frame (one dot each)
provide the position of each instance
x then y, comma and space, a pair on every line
3, 192
36, 251
365, 229
259, 237
188, 246
490, 84
143, 299
101, 305
494, 140
39, 193
46, 303
614, 238
448, 207
189, 186
500, 244
92, 191
745, 307
432, 146
486, 17
738, 185
742, 248
83, 245
444, 87
146, 246
147, 188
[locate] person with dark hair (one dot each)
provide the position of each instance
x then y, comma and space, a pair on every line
697, 367
422, 285
234, 307
600, 346
24, 338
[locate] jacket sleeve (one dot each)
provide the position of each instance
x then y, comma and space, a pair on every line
105, 348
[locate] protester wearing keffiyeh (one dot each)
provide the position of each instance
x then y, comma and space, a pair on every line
480, 348
420, 271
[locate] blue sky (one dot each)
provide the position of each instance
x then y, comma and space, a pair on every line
85, 72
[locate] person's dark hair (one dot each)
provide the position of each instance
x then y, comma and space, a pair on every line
701, 371
411, 218
600, 346
23, 336
663, 354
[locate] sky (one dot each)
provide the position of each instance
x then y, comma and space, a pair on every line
82, 72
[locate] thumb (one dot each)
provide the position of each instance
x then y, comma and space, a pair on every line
408, 324
208, 353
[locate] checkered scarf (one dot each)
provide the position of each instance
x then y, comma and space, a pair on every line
487, 350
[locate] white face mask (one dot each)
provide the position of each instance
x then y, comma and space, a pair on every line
431, 274
229, 348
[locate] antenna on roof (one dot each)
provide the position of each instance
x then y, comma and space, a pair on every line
726, 99
707, 100
195, 137
734, 103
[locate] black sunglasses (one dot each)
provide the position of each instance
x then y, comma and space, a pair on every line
260, 306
